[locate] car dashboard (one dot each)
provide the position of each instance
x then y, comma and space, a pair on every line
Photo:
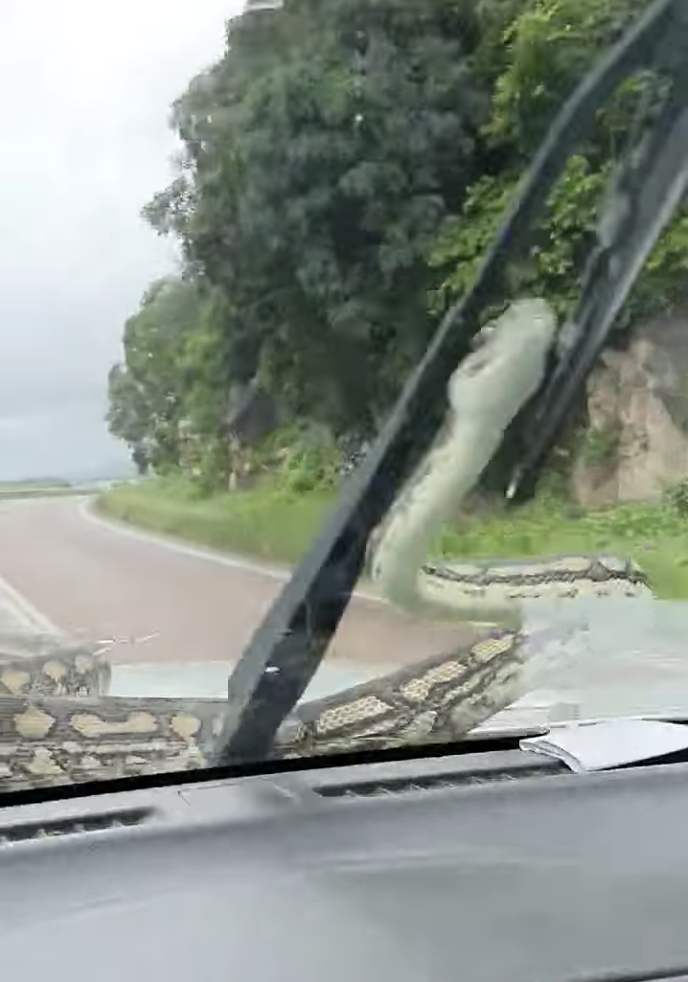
486, 867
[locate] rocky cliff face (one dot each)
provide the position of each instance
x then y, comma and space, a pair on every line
636, 444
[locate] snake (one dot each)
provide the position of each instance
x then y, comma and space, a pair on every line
59, 725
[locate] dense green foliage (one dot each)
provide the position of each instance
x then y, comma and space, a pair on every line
345, 164
551, 43
175, 373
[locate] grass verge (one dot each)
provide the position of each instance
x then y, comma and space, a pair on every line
279, 525
268, 523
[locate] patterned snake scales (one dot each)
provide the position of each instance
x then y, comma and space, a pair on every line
58, 725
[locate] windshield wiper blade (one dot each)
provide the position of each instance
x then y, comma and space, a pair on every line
288, 646
645, 197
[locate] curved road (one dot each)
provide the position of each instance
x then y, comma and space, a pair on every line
100, 580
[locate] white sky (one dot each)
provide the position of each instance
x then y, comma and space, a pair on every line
85, 91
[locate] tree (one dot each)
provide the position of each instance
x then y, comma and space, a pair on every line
545, 50
147, 393
321, 155
345, 166
128, 416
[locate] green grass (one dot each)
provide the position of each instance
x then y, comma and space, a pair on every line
269, 523
655, 537
279, 525
10, 491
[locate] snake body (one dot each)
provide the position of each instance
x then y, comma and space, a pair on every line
485, 393
59, 725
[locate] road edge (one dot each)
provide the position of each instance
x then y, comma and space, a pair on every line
258, 567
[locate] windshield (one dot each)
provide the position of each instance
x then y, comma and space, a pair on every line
352, 410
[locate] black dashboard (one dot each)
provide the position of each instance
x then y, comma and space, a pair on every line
480, 867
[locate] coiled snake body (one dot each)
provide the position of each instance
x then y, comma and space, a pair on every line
58, 725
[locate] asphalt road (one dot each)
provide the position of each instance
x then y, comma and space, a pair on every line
97, 580
191, 612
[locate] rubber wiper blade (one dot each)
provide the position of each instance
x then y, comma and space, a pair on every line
288, 646
643, 198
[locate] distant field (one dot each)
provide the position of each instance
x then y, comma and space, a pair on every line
38, 490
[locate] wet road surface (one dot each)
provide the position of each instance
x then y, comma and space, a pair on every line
90, 578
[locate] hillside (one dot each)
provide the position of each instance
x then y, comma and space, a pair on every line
344, 168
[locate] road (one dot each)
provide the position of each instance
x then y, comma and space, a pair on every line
62, 566
89, 577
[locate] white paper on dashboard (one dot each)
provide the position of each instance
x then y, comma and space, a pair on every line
605, 744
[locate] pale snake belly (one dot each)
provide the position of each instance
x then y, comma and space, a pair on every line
58, 725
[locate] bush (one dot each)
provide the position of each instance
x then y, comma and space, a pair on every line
676, 498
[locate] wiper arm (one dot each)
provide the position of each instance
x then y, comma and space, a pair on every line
645, 195
286, 650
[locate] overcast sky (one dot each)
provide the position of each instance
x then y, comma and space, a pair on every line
85, 92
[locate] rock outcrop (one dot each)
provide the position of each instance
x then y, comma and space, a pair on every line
636, 443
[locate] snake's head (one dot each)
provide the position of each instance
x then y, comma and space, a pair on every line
507, 364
